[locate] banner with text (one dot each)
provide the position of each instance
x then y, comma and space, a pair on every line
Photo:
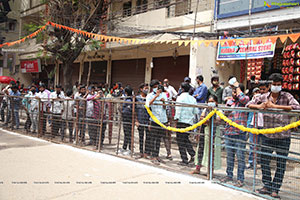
31, 66
246, 51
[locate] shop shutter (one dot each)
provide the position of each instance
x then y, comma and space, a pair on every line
173, 69
128, 72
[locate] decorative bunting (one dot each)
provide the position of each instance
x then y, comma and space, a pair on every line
283, 38
294, 37
245, 41
187, 42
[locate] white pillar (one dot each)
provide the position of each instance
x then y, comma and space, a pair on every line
56, 78
148, 70
108, 70
202, 62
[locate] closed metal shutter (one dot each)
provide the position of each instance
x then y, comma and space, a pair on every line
98, 72
173, 69
128, 72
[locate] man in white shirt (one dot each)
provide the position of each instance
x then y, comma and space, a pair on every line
172, 93
185, 118
154, 100
57, 98
68, 112
43, 95
34, 108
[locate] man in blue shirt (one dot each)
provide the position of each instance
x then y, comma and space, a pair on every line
201, 95
201, 92
185, 117
154, 99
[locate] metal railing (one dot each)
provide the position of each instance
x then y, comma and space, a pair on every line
104, 124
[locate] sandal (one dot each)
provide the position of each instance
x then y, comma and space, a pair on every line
160, 160
275, 195
169, 157
239, 184
155, 161
195, 171
263, 190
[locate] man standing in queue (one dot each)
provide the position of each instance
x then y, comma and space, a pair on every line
154, 100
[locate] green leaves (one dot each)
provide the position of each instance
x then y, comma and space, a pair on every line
31, 27
95, 45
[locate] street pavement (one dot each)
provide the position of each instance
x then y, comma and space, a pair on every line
32, 169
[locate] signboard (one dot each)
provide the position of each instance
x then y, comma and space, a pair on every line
31, 66
246, 51
231, 8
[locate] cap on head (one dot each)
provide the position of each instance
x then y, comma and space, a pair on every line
154, 82
187, 79
255, 90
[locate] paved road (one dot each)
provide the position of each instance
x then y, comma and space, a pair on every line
34, 169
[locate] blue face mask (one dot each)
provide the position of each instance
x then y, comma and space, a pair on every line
154, 90
211, 104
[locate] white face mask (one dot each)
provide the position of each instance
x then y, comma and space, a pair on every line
211, 104
154, 90
275, 89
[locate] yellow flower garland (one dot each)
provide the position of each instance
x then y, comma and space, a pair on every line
228, 121
180, 130
258, 131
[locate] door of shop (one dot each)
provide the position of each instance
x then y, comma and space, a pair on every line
173, 69
98, 72
128, 72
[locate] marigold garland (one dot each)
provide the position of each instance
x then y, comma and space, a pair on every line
180, 130
228, 121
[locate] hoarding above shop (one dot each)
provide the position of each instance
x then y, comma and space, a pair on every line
246, 51
232, 8
31, 66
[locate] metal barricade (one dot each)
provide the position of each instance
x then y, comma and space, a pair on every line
123, 127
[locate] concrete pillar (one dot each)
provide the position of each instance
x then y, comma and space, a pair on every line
81, 66
148, 70
56, 77
108, 70
202, 62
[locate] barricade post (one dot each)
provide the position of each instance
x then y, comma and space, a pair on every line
77, 123
101, 124
133, 125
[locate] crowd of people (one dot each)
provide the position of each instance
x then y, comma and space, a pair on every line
86, 105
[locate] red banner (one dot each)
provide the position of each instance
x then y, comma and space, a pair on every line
31, 66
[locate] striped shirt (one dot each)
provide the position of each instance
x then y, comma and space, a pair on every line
238, 117
277, 120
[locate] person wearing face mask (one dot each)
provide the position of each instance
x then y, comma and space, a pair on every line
184, 116
26, 106
202, 153
43, 95
215, 90
56, 109
127, 120
80, 112
227, 92
154, 100
278, 142
235, 139
255, 121
142, 121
